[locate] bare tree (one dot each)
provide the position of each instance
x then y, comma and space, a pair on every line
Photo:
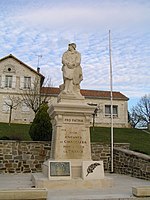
141, 112
12, 102
134, 119
32, 96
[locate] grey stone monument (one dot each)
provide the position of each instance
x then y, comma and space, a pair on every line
70, 158
71, 116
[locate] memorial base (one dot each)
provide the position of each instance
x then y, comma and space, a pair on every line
91, 176
41, 181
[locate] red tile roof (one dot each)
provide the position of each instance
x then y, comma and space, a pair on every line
87, 93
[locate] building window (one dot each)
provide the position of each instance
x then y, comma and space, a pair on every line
108, 110
8, 81
27, 82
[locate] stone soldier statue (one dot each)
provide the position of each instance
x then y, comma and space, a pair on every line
72, 71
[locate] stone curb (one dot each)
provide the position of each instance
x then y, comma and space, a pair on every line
141, 191
24, 194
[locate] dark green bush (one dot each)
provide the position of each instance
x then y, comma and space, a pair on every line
4, 138
11, 137
41, 127
16, 137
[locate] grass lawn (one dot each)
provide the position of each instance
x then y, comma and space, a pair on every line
139, 140
15, 131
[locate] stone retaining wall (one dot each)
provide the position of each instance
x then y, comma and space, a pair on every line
17, 157
133, 163
102, 152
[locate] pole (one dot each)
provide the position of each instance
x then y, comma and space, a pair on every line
38, 68
39, 56
111, 99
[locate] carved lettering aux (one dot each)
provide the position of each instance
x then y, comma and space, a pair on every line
73, 120
73, 144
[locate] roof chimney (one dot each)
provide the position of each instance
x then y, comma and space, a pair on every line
38, 69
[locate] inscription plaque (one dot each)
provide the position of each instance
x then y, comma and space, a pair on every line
59, 169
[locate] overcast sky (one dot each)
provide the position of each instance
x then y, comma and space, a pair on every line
29, 28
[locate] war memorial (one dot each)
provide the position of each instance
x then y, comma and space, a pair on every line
70, 172
70, 163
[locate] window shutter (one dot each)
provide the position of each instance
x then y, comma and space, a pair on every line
3, 81
32, 83
14, 81
21, 82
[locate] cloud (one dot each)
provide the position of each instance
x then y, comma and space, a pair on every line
85, 16
29, 31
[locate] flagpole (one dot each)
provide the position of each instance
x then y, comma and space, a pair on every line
111, 99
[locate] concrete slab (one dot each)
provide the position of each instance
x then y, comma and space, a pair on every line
121, 190
14, 181
41, 181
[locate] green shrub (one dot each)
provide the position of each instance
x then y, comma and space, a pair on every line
11, 137
41, 127
4, 138
16, 137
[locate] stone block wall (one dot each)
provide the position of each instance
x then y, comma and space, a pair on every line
102, 152
24, 157
132, 163
17, 157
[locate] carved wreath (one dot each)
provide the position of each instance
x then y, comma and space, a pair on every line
91, 168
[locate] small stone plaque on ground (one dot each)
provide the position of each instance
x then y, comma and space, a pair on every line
59, 170
92, 170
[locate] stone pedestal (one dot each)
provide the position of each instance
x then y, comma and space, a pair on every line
71, 134
71, 118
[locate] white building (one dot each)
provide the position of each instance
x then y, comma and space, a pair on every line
16, 77
100, 99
